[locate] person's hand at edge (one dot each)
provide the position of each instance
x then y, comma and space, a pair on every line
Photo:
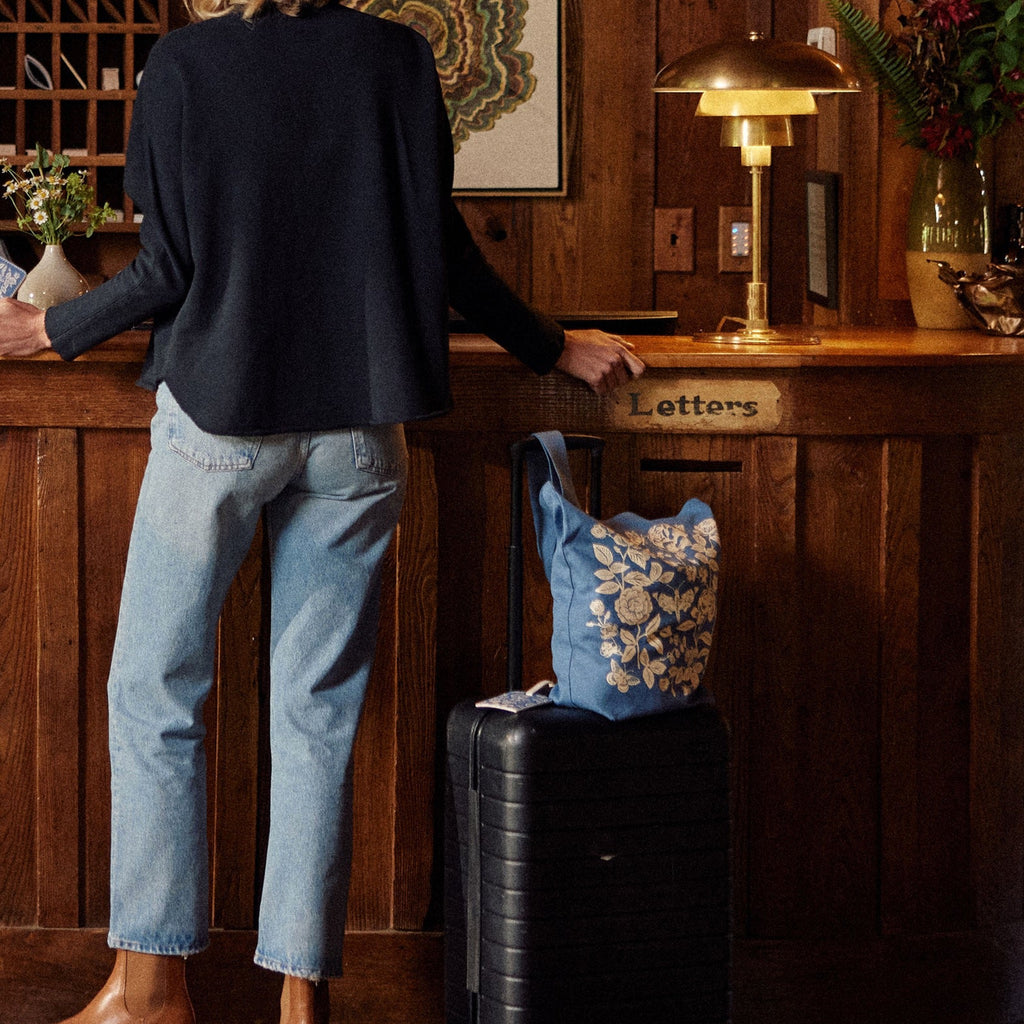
603, 361
22, 329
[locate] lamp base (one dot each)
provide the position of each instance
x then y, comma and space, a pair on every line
747, 335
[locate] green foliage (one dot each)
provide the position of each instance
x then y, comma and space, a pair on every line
952, 72
876, 50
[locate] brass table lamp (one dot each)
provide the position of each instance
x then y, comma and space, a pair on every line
755, 85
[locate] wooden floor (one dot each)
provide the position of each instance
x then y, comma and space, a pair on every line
397, 978
46, 975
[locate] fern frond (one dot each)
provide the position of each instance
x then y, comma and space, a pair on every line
877, 51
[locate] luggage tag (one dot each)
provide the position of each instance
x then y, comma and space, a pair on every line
515, 701
11, 276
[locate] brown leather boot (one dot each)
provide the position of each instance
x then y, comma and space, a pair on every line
304, 1001
142, 989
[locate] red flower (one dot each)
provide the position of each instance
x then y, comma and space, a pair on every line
949, 13
944, 135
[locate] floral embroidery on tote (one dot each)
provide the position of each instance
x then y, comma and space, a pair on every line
657, 630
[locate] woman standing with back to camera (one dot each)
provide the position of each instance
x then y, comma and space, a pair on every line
265, 132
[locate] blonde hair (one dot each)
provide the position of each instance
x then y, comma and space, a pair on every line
203, 10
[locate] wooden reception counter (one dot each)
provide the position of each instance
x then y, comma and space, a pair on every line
869, 658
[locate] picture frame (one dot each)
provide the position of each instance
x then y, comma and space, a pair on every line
822, 211
503, 74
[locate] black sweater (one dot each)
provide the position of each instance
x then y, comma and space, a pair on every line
299, 245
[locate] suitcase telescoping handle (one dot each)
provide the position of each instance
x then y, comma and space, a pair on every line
520, 450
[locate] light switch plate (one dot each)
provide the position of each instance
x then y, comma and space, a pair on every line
674, 240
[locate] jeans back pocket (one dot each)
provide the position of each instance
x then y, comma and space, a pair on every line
379, 449
210, 452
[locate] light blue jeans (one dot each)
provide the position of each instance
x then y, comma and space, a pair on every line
332, 501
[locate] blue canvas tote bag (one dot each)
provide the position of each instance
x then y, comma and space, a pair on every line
634, 599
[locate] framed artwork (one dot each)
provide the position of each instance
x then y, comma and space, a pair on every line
502, 70
823, 238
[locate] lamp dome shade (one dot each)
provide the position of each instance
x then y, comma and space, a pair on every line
755, 64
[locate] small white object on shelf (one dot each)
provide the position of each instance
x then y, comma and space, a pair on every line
36, 73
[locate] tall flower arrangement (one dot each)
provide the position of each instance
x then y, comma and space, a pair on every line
953, 72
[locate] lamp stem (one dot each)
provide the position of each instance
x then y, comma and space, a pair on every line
757, 290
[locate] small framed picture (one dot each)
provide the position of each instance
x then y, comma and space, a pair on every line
823, 238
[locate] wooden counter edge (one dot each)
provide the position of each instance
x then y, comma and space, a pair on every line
841, 346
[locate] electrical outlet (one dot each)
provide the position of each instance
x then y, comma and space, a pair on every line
734, 243
822, 39
673, 240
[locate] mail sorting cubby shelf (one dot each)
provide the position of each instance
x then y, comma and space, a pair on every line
69, 70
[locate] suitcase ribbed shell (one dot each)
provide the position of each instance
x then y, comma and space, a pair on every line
587, 868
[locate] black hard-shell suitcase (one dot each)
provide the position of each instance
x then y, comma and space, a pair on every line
586, 861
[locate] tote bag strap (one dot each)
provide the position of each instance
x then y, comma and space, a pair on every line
539, 471
552, 443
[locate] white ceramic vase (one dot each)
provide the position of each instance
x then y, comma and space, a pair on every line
52, 280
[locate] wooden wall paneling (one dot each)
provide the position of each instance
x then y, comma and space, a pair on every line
838, 743
57, 594
996, 740
592, 250
865, 206
413, 650
113, 463
1010, 481
899, 561
941, 898
503, 229
493, 571
817, 728
772, 649
18, 678
1009, 163
897, 168
721, 471
234, 732
461, 501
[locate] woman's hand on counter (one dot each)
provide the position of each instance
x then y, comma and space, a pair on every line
604, 361
22, 329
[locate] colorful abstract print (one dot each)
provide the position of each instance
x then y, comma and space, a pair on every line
483, 72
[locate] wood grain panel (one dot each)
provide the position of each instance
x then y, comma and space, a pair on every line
837, 743
373, 774
577, 242
818, 725
415, 659
774, 646
58, 593
899, 561
943, 724
997, 737
461, 500
18, 698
